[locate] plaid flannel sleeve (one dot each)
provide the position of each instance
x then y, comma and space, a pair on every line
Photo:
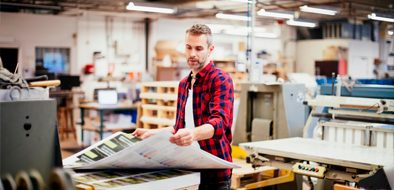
221, 104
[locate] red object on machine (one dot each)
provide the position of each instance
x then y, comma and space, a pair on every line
280, 22
88, 69
342, 67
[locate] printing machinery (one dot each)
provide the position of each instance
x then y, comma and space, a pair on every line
269, 111
28, 133
30, 156
29, 147
364, 167
369, 110
352, 144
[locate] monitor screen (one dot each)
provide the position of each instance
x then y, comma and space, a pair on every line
106, 97
53, 59
54, 62
69, 81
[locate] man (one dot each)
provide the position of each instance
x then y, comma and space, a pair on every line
204, 107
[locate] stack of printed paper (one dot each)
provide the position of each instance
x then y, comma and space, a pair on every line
130, 180
122, 150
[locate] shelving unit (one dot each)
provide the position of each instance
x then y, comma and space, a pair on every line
165, 73
158, 104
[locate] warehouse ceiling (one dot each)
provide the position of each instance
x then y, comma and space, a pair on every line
348, 9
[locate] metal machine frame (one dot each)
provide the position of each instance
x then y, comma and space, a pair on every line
350, 142
28, 137
279, 105
330, 168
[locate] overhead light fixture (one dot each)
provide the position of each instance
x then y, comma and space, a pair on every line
241, 31
276, 14
217, 28
266, 35
301, 23
256, 34
373, 16
232, 17
323, 11
243, 1
132, 7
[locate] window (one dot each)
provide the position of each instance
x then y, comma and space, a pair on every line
54, 60
9, 57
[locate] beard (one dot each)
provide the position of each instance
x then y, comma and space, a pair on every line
195, 63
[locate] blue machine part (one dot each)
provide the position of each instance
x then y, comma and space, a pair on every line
324, 80
366, 91
376, 81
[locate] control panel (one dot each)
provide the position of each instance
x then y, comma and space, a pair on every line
309, 170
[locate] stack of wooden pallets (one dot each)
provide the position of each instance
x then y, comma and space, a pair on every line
158, 104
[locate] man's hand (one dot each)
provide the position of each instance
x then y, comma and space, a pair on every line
184, 137
144, 133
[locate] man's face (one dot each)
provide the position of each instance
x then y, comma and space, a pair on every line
197, 51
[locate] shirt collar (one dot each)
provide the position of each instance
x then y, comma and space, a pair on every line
203, 71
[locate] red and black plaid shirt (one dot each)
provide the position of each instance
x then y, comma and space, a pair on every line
213, 99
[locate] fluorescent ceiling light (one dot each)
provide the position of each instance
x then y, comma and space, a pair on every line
257, 34
241, 31
373, 16
243, 1
132, 7
323, 11
235, 32
275, 14
301, 23
232, 17
218, 28
266, 35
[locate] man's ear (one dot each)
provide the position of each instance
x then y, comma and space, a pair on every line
211, 48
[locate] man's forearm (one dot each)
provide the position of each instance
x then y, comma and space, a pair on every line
203, 132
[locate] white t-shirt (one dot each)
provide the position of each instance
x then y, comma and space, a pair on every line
189, 119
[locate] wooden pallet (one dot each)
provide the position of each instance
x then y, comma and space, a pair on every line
263, 177
246, 174
158, 104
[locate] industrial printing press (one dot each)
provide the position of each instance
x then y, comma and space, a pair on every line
29, 147
348, 142
30, 157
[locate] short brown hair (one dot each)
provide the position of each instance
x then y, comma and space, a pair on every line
201, 29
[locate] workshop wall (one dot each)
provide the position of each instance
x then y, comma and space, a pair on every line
28, 31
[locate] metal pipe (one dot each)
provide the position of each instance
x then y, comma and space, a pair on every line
354, 118
332, 84
147, 31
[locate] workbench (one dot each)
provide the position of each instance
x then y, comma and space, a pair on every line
101, 109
